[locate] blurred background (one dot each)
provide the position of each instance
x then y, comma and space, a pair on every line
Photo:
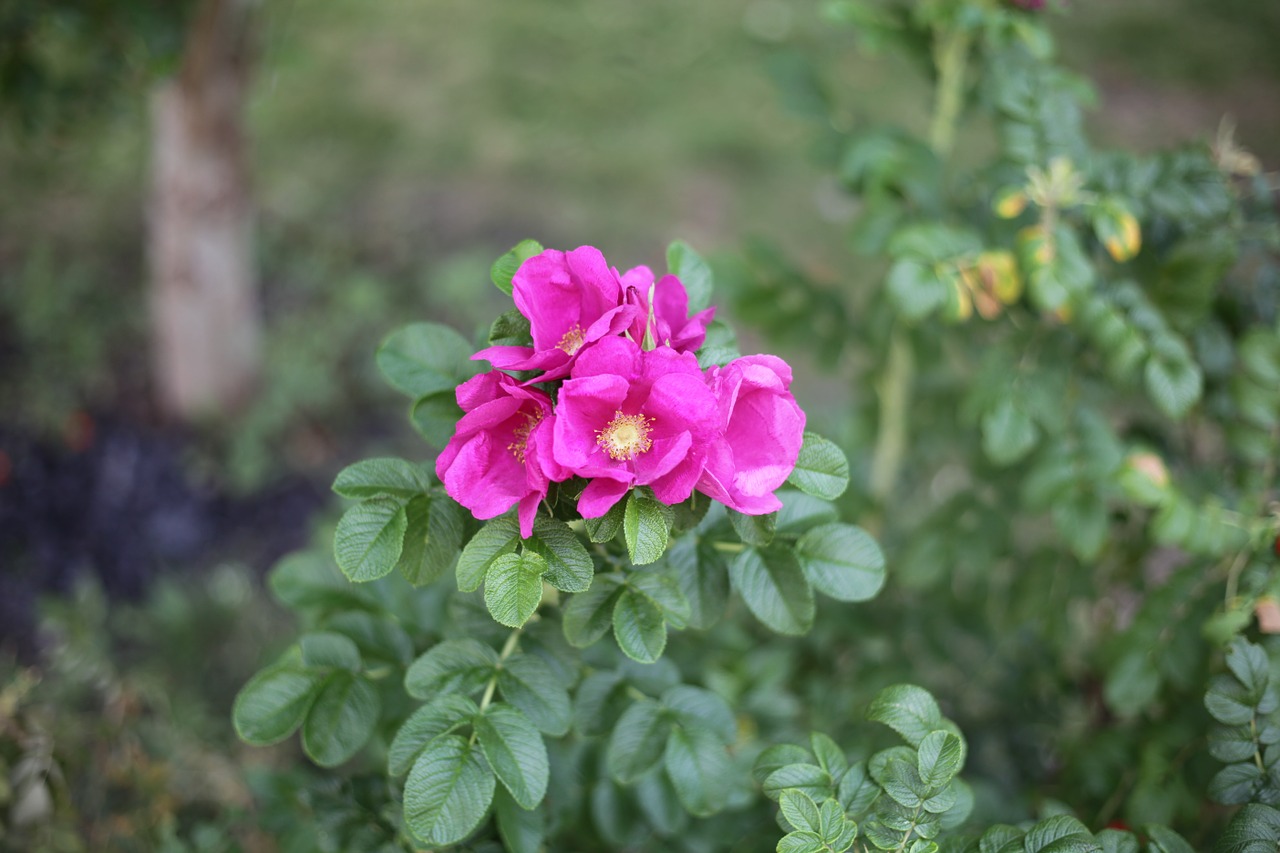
212, 212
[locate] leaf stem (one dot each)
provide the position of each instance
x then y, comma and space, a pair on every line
507, 649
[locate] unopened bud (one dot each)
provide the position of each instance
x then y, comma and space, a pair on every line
1009, 202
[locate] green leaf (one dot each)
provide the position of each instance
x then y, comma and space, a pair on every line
569, 566
1060, 834
822, 469
307, 581
1116, 841
341, 719
940, 757
809, 778
379, 639
775, 589
522, 831
830, 756
657, 798
646, 524
275, 702
800, 811
901, 782
1236, 783
802, 841
1254, 829
588, 615
369, 538
500, 536
606, 527
694, 707
425, 358
909, 710
1162, 839
755, 530
639, 626
448, 791
720, 346
661, 587
915, 288
443, 714
383, 476
637, 741
505, 267
432, 538
703, 577
857, 791
513, 587
1174, 386
699, 767
1232, 743
453, 666
435, 417
329, 649
842, 561
1008, 433
511, 329
777, 756
694, 273
800, 512
1226, 702
516, 753
1250, 666
527, 682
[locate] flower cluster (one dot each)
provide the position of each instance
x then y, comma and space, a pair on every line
619, 400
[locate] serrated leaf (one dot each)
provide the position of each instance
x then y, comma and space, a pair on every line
639, 626
842, 561
778, 756
637, 741
379, 639
500, 536
383, 476
800, 512
720, 346
909, 710
800, 811
569, 566
274, 702
505, 267
1226, 702
511, 329
435, 417
1236, 783
606, 527
699, 768
857, 791
1174, 386
528, 683
809, 778
513, 587
1162, 839
369, 538
341, 719
660, 587
801, 842
775, 589
902, 783
830, 756
822, 469
1232, 743
940, 757
755, 530
703, 577
1250, 666
694, 273
453, 666
428, 558
646, 525
589, 615
516, 753
1060, 834
657, 798
694, 707
1117, 841
1254, 829
441, 715
425, 358
448, 791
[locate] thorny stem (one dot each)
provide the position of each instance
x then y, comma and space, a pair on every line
951, 55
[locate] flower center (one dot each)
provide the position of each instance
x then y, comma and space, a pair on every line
521, 434
572, 340
625, 437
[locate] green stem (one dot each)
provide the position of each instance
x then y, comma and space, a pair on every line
951, 56
507, 649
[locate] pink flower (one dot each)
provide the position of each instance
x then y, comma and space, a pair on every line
500, 454
627, 417
572, 299
761, 430
670, 324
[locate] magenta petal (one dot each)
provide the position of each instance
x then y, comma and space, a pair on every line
599, 497
527, 512
665, 455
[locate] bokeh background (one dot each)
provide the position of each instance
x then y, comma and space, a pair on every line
394, 149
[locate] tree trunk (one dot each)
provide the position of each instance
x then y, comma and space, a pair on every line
205, 313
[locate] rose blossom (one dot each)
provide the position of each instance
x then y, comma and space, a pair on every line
500, 454
571, 299
761, 430
669, 323
628, 417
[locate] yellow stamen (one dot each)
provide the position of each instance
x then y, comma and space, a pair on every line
625, 437
517, 447
572, 340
